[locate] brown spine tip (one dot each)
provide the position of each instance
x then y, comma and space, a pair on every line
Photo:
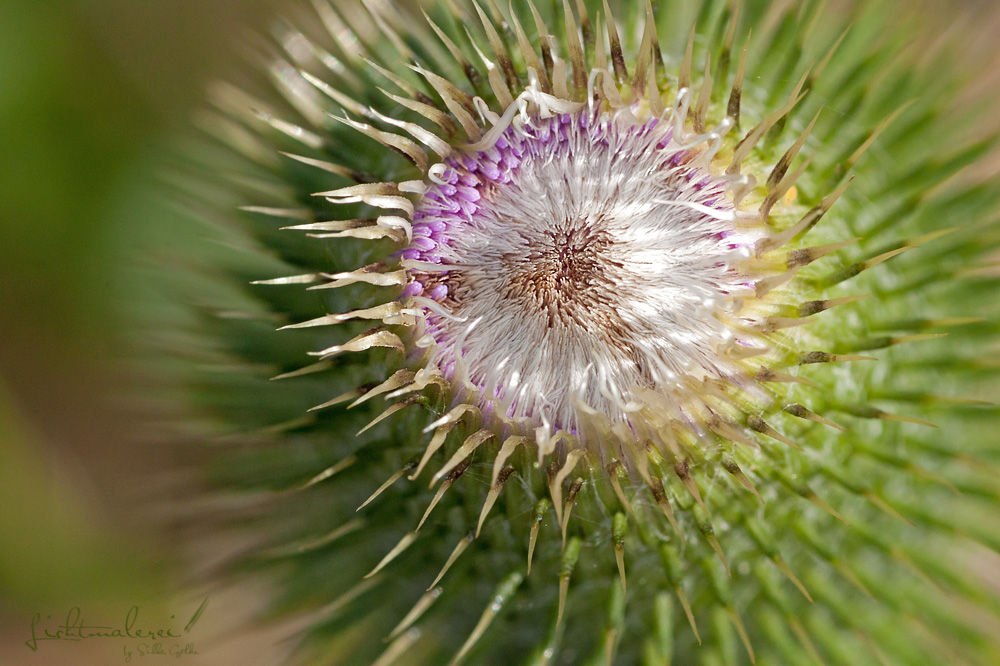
617, 56
733, 107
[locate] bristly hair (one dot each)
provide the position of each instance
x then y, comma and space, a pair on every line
638, 283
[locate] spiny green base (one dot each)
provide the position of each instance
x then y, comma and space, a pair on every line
897, 577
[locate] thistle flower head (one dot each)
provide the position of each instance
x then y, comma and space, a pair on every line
576, 262
621, 334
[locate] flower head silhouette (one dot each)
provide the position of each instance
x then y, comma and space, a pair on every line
658, 295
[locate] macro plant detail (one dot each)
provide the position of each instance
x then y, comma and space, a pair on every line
679, 348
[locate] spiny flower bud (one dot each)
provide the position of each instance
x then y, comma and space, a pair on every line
626, 331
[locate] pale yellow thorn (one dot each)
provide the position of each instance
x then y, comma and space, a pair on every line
684, 73
492, 495
452, 96
546, 446
399, 378
574, 489
654, 95
686, 605
683, 471
437, 498
744, 481
437, 441
377, 312
917, 337
783, 566
886, 416
419, 608
343, 397
398, 648
312, 544
741, 630
744, 147
555, 487
559, 88
759, 425
856, 155
620, 561
392, 409
600, 56
470, 444
455, 52
493, 75
403, 544
660, 496
307, 278
296, 132
852, 578
287, 213
328, 472
777, 174
510, 78
532, 540
340, 98
714, 543
329, 167
373, 232
610, 639
803, 637
381, 489
383, 25
821, 503
704, 97
506, 589
617, 486
884, 506
453, 416
335, 606
563, 590
458, 550
527, 52
643, 61
330, 225
617, 56
543, 35
431, 113
736, 93
506, 449
575, 50
803, 225
441, 147
390, 140
733, 435
801, 412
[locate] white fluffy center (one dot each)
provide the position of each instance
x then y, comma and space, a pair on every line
591, 276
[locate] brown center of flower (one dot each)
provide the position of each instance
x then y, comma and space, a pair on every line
564, 271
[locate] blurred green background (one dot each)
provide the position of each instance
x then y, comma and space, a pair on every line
93, 97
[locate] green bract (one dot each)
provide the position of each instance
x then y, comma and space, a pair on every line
781, 458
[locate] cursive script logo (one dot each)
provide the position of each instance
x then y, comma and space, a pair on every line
75, 628
175, 650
